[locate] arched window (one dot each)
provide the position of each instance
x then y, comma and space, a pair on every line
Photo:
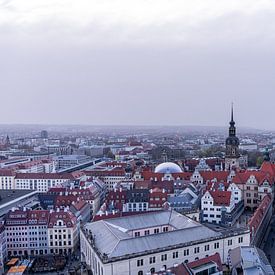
140, 272
152, 270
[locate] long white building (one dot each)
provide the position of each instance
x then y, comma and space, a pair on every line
148, 242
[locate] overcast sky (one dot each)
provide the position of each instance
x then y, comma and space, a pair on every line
138, 62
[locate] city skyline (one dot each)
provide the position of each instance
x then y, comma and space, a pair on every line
111, 62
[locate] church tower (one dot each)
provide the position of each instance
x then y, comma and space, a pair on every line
232, 154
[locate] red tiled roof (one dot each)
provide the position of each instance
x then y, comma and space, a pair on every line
261, 176
216, 185
35, 216
268, 167
79, 205
142, 184
210, 175
6, 173
67, 217
184, 269
148, 175
213, 258
256, 220
221, 197
65, 200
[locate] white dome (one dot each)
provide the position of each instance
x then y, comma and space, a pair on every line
168, 167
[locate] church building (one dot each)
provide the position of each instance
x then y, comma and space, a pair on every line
232, 155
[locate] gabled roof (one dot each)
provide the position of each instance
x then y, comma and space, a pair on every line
148, 175
268, 167
221, 197
219, 175
67, 217
258, 216
213, 258
261, 176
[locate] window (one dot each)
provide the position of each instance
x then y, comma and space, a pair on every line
146, 232
140, 262
240, 239
164, 257
216, 245
152, 260
196, 250
165, 229
140, 272
229, 242
186, 252
206, 247
175, 254
156, 230
137, 234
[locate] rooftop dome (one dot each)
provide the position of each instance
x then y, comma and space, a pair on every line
168, 167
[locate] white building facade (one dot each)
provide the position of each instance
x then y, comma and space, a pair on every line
149, 245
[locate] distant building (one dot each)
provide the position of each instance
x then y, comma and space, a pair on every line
65, 161
40, 181
44, 134
232, 154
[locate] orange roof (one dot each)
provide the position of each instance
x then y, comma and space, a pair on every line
17, 269
13, 261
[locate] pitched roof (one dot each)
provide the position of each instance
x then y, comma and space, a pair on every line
258, 216
113, 239
213, 258
67, 217
210, 175
221, 197
6, 173
261, 176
